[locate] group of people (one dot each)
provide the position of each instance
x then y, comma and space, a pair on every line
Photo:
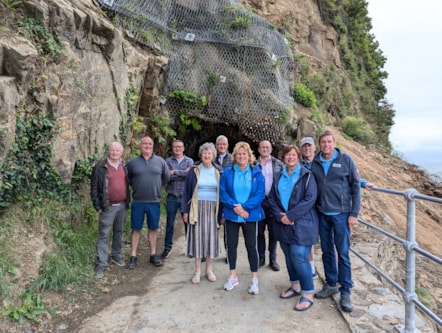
299, 198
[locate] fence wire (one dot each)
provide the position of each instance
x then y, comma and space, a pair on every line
235, 61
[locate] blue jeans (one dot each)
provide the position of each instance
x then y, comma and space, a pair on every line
298, 266
334, 232
172, 206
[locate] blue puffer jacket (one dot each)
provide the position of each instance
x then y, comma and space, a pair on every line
253, 204
301, 211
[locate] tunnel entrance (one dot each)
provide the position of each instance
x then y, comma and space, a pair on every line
209, 132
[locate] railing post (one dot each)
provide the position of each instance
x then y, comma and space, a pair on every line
410, 278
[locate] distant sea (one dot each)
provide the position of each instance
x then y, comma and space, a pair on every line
430, 161
435, 171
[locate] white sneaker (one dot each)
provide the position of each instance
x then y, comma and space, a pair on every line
231, 283
253, 289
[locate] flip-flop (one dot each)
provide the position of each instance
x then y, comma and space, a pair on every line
303, 300
294, 293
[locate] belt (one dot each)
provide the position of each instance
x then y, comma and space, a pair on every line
114, 204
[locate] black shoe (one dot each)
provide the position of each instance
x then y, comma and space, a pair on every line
274, 265
345, 303
132, 262
155, 260
166, 253
262, 261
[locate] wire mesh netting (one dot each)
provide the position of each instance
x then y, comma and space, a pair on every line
237, 66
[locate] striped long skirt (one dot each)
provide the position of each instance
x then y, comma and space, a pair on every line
202, 238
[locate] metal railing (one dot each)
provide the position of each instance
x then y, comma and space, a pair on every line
411, 247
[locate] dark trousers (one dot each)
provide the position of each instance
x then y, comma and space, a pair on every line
249, 231
267, 222
173, 206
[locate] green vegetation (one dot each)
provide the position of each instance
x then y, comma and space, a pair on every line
212, 79
304, 96
146, 36
317, 117
364, 63
73, 221
31, 308
424, 296
27, 173
241, 22
160, 127
46, 43
11, 4
236, 17
7, 267
33, 196
358, 129
83, 169
70, 263
191, 104
131, 100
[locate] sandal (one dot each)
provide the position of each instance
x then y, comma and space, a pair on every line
290, 290
210, 276
304, 300
196, 278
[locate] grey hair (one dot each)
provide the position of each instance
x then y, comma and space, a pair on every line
207, 146
220, 137
116, 143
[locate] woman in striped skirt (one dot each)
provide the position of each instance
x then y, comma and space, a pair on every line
199, 207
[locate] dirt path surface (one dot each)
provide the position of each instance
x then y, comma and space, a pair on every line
173, 303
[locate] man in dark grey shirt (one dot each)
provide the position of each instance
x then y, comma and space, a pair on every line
147, 173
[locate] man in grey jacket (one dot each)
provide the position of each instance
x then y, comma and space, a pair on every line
338, 204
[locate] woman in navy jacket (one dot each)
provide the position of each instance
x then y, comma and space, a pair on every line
292, 198
242, 190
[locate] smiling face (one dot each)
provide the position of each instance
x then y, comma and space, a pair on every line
264, 149
291, 159
207, 157
327, 146
146, 147
178, 149
115, 152
308, 152
221, 146
242, 157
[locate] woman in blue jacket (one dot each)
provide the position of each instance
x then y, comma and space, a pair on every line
292, 198
242, 191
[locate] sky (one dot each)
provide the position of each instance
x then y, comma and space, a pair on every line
409, 33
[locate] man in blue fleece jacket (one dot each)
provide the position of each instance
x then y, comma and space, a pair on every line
338, 204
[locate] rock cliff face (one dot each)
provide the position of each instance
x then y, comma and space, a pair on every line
88, 86
85, 88
302, 19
